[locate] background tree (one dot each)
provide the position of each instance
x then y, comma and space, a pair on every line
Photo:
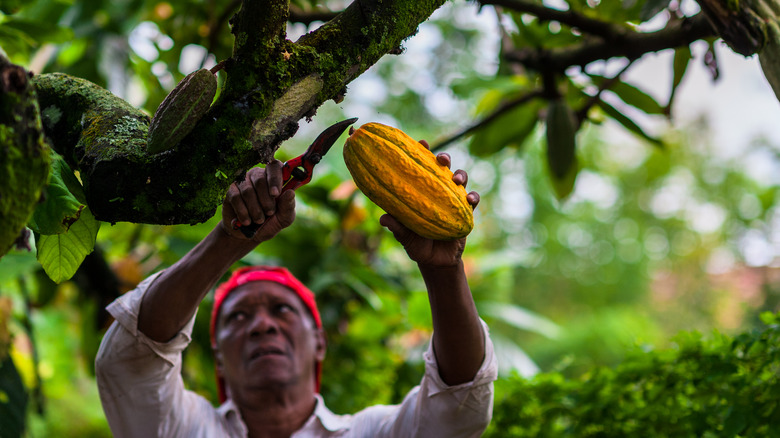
622, 261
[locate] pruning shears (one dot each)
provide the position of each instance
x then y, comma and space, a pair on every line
297, 171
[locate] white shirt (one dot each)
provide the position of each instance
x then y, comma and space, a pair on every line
143, 393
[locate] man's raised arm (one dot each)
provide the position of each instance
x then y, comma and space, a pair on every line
173, 298
458, 338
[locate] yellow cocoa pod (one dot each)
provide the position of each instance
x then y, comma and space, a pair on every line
403, 177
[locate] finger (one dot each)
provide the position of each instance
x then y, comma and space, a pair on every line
425, 143
460, 177
273, 175
265, 202
250, 196
402, 234
473, 199
286, 208
238, 205
444, 159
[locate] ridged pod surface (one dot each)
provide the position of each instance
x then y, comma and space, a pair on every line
403, 177
181, 109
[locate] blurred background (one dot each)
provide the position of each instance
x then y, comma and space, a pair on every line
672, 225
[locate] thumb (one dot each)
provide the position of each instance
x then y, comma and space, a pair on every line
402, 234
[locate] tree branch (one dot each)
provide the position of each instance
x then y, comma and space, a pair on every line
569, 18
630, 45
271, 84
298, 15
507, 106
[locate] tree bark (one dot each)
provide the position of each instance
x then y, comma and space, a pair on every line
24, 154
271, 84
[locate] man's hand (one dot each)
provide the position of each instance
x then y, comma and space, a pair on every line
428, 252
258, 199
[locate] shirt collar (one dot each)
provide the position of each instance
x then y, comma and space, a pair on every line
328, 420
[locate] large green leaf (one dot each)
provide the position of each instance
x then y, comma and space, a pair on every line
632, 95
13, 400
62, 254
682, 57
627, 122
40, 32
509, 129
17, 263
64, 202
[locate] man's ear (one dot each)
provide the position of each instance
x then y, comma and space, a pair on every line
322, 345
217, 360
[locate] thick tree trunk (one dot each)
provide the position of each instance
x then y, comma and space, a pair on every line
271, 84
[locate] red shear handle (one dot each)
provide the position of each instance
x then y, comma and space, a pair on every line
297, 171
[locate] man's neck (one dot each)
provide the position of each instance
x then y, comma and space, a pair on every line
275, 415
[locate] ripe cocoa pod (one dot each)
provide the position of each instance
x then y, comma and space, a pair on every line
181, 110
403, 177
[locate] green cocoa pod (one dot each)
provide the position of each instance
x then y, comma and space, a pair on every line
181, 110
561, 146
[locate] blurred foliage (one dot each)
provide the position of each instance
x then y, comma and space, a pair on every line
716, 387
651, 240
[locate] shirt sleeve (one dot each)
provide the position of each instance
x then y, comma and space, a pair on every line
434, 409
139, 380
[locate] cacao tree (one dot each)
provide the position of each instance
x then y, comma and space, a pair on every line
92, 144
271, 83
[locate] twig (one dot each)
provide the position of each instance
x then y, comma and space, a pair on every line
631, 45
583, 112
298, 15
490, 117
569, 18
215, 28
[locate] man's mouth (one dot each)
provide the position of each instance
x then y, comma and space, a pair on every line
265, 351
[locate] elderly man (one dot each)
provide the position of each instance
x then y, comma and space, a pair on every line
269, 344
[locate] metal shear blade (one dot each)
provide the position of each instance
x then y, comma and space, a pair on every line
297, 171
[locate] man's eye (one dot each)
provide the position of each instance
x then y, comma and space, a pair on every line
236, 316
284, 308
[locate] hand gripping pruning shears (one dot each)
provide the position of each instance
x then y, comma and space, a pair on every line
297, 171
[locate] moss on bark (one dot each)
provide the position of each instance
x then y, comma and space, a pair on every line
24, 155
105, 138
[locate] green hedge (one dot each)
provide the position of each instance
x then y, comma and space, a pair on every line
716, 387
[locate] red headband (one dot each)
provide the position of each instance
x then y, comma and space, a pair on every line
263, 273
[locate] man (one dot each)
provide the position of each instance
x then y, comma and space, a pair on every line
269, 344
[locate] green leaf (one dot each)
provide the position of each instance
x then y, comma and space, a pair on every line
627, 122
13, 400
40, 32
651, 8
520, 317
632, 95
15, 264
64, 202
682, 57
62, 254
10, 6
508, 129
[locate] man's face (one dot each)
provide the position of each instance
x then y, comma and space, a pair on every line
266, 339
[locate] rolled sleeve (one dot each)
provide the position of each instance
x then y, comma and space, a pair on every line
139, 380
434, 409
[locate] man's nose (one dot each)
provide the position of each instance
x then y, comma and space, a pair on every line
263, 322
